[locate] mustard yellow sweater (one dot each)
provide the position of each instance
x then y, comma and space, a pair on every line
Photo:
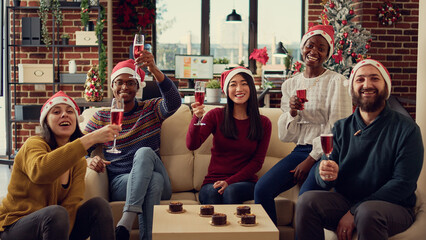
35, 184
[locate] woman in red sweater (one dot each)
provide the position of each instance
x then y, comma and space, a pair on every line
45, 194
240, 140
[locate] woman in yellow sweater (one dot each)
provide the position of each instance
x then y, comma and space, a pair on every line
45, 194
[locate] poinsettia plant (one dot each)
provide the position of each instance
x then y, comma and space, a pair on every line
260, 55
135, 14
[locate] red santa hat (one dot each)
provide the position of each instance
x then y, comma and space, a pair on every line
58, 98
128, 66
382, 69
326, 31
226, 77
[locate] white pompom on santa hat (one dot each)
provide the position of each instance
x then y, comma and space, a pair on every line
58, 98
128, 66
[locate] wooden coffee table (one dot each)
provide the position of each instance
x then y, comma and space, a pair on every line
190, 226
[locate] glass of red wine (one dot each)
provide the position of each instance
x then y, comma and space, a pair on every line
117, 111
200, 91
138, 47
327, 146
301, 94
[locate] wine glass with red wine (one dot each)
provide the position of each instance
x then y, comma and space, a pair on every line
138, 47
200, 91
301, 94
117, 111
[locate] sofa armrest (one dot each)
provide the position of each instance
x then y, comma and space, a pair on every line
96, 185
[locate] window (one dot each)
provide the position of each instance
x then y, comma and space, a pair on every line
280, 21
229, 40
178, 29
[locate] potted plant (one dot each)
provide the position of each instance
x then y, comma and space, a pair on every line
65, 39
213, 91
45, 7
220, 65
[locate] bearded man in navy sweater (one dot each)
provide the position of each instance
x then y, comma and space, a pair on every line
376, 161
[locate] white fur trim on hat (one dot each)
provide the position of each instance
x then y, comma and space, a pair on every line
324, 34
382, 69
58, 98
231, 74
128, 71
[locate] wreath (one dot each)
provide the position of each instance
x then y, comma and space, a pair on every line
388, 14
128, 17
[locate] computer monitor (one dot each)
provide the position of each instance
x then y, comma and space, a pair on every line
193, 67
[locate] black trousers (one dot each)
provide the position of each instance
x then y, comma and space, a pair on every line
316, 210
93, 219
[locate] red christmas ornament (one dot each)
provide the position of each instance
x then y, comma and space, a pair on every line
331, 5
344, 22
351, 12
367, 46
341, 42
355, 30
345, 34
339, 52
353, 54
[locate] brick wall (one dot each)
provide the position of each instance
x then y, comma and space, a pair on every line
395, 46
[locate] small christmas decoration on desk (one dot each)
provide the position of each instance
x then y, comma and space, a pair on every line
94, 87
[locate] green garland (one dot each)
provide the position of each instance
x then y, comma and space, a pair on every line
84, 14
44, 8
100, 24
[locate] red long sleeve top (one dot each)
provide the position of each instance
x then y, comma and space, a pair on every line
231, 160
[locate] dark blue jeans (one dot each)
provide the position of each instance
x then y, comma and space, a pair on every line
235, 193
279, 179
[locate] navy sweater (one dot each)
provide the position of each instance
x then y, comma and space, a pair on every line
382, 162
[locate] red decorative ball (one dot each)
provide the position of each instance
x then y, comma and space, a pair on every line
353, 54
331, 5
355, 30
341, 42
351, 12
340, 52
344, 22
345, 34
367, 46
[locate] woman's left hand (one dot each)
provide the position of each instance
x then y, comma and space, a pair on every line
302, 170
222, 185
345, 227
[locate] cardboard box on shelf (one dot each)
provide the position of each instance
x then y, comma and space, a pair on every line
85, 38
35, 73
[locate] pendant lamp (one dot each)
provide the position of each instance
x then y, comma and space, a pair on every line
233, 17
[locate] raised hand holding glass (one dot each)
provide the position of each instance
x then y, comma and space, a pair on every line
138, 46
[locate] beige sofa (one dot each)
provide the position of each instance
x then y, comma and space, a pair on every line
188, 168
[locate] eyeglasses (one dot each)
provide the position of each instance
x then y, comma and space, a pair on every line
129, 84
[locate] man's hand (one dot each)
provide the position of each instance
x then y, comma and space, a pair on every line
328, 170
97, 164
346, 227
222, 185
302, 170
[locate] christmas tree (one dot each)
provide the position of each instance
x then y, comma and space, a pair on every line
351, 40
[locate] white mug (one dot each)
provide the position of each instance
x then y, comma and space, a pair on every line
72, 67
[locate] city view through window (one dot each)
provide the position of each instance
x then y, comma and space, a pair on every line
179, 29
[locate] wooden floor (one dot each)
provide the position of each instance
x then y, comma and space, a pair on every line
4, 179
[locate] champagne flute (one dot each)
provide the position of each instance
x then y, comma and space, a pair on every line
117, 111
199, 97
138, 47
327, 144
